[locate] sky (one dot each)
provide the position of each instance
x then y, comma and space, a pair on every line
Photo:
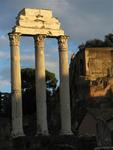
81, 20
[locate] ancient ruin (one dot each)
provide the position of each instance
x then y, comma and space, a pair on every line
91, 91
91, 84
39, 24
94, 66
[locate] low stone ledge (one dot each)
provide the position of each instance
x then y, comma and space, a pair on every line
104, 148
67, 142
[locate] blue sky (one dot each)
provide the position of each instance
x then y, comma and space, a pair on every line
81, 20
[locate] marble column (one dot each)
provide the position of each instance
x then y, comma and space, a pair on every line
41, 106
17, 126
64, 86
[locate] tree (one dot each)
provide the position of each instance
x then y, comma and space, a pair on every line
28, 88
107, 42
94, 43
29, 98
51, 81
28, 79
5, 104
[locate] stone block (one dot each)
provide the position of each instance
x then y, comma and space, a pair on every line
37, 21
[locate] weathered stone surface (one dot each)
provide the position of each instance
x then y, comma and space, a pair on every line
91, 81
37, 21
64, 86
17, 125
98, 62
104, 148
92, 71
40, 86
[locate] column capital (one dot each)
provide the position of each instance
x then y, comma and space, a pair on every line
14, 38
39, 39
62, 42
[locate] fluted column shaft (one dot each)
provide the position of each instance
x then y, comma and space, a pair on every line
64, 86
17, 126
40, 85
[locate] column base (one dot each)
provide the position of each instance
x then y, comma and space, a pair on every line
17, 134
43, 133
104, 148
66, 132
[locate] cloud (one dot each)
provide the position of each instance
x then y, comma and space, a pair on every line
51, 62
3, 40
27, 58
81, 20
88, 19
4, 84
4, 55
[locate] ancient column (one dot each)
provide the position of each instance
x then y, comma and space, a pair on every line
40, 86
16, 96
64, 86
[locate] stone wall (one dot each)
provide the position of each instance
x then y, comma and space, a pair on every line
91, 81
91, 73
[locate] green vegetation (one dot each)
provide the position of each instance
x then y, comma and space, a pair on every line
28, 88
28, 79
28, 92
108, 42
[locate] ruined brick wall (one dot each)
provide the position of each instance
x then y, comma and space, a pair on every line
91, 81
99, 70
94, 65
99, 62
